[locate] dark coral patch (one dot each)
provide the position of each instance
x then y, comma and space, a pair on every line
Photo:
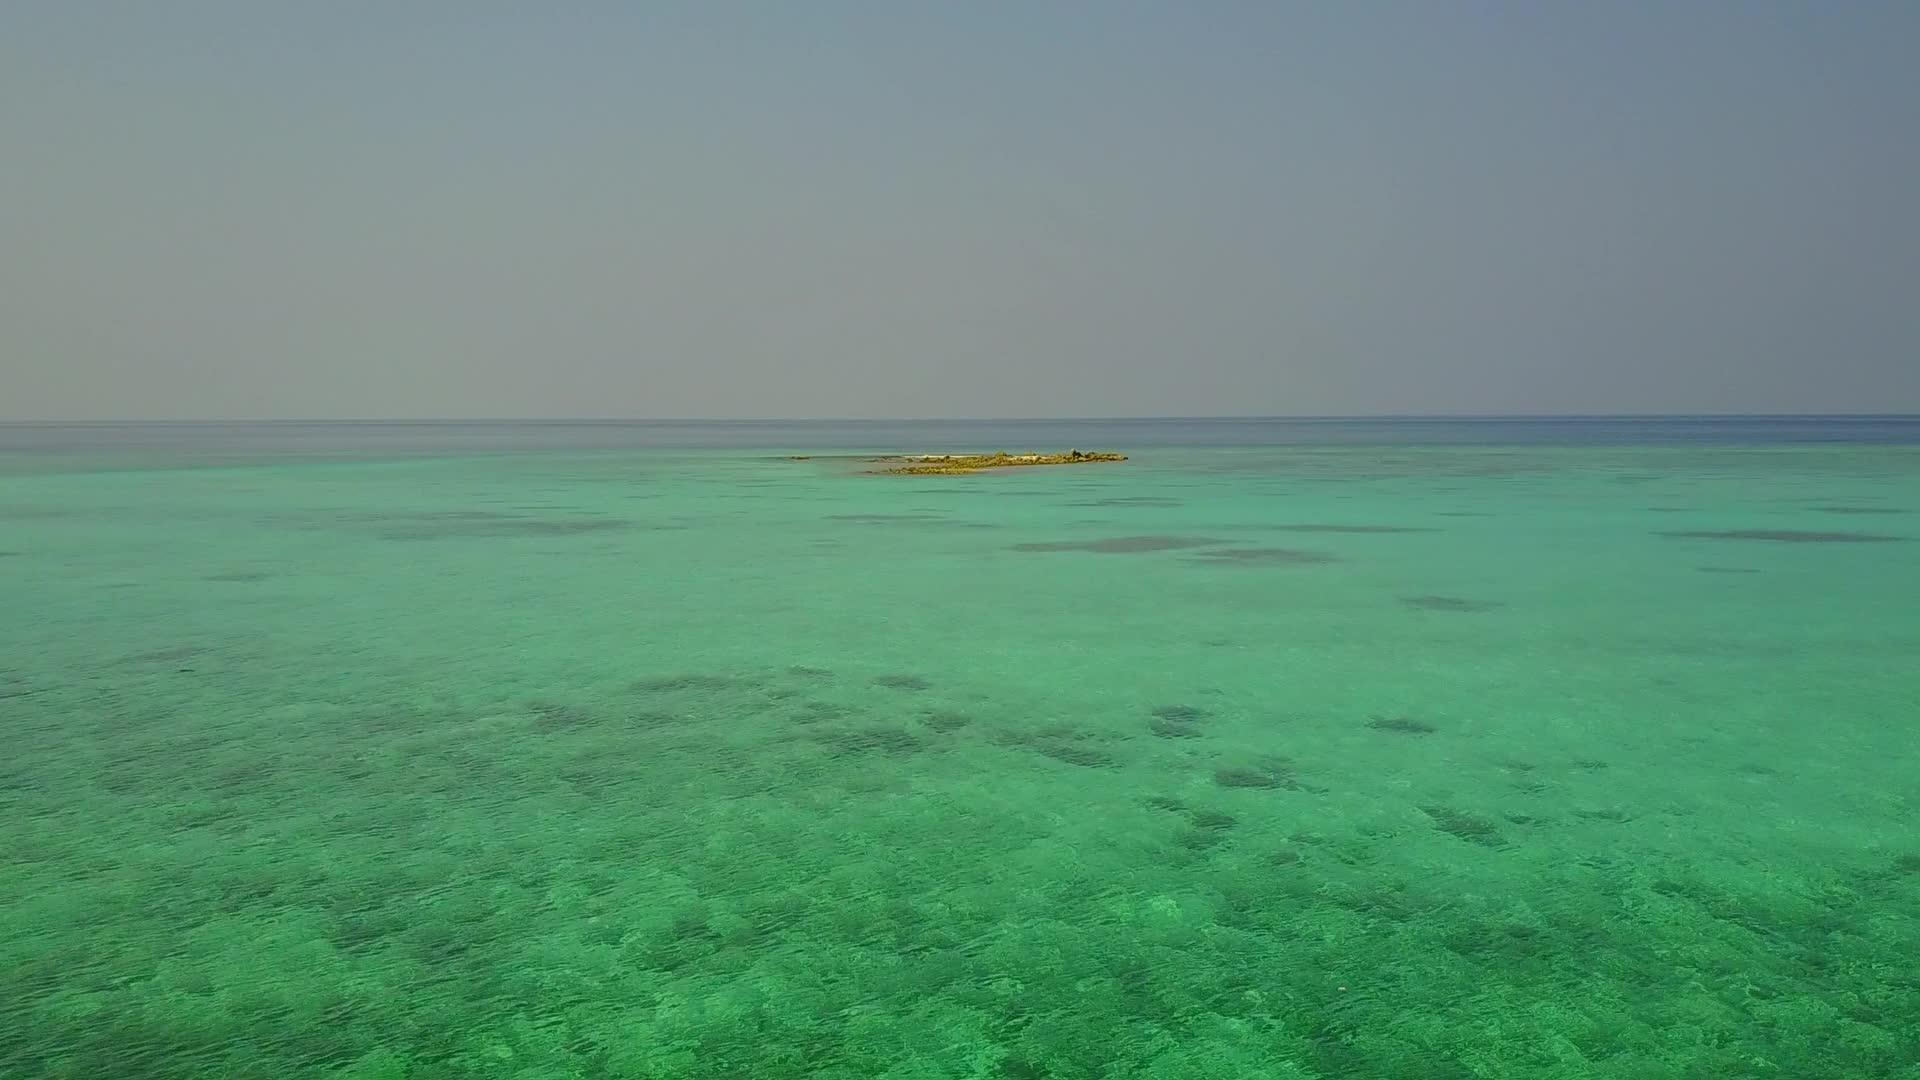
1132, 500
1201, 839
947, 721
482, 523
1857, 510
1185, 713
672, 684
1505, 945
848, 742
888, 519
902, 682
1272, 556
1019, 1068
1212, 820
1272, 774
556, 716
813, 712
1087, 757
1029, 738
1472, 828
1784, 536
565, 527
1123, 545
1174, 729
1402, 725
1449, 603
1323, 528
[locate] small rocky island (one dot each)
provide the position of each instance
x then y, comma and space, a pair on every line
955, 464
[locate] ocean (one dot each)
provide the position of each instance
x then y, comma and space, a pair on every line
1417, 749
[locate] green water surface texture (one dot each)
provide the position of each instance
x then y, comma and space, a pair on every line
1391, 761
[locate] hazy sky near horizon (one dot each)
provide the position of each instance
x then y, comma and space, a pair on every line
258, 209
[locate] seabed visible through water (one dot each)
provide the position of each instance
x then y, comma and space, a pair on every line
1315, 759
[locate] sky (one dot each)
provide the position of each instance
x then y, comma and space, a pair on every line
262, 209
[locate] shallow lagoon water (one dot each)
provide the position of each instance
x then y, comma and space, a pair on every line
1357, 751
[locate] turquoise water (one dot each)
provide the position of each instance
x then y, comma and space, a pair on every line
1480, 750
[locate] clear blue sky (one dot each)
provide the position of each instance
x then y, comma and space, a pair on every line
259, 209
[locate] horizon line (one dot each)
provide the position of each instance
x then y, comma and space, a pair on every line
1295, 418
